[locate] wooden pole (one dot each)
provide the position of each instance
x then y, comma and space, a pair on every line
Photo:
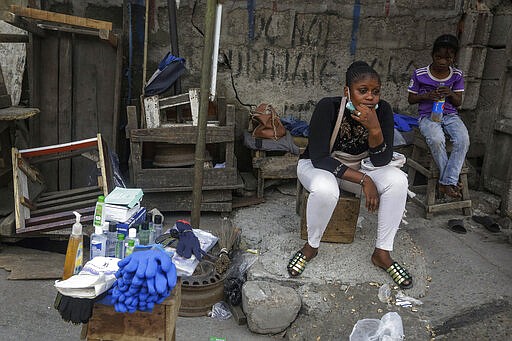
145, 56
206, 71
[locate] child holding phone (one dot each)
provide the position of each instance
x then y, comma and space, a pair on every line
429, 87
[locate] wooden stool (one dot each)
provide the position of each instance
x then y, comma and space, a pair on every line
160, 324
341, 227
421, 161
273, 167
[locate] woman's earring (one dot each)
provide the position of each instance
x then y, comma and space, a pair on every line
376, 106
350, 106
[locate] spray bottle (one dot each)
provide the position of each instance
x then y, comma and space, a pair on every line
74, 253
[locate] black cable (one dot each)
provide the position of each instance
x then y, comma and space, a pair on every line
192, 19
228, 64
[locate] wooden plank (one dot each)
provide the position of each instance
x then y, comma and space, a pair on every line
31, 172
19, 22
221, 110
135, 160
33, 67
13, 38
102, 165
131, 118
184, 134
183, 177
69, 199
54, 225
65, 207
448, 206
189, 188
117, 96
63, 155
176, 201
20, 190
59, 148
152, 112
172, 101
65, 106
50, 218
48, 91
17, 113
61, 18
75, 191
106, 35
93, 94
27, 203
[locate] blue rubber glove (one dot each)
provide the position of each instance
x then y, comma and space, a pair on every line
120, 308
160, 258
188, 243
135, 263
160, 282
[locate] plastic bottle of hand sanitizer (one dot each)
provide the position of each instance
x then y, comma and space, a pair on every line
98, 242
74, 253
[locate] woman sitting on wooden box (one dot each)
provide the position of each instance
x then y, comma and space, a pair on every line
342, 132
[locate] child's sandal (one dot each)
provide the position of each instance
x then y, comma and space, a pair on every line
400, 276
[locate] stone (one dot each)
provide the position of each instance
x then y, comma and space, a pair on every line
270, 308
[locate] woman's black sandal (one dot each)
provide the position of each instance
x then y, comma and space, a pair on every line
400, 276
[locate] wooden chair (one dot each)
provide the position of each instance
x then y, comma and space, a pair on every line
40, 211
421, 161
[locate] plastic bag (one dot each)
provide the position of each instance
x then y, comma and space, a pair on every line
388, 328
236, 276
384, 293
220, 311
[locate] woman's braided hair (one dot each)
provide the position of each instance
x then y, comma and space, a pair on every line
359, 70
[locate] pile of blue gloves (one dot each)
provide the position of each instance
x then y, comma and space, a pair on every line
145, 278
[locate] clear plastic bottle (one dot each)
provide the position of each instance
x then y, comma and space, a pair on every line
74, 254
158, 226
130, 247
144, 234
132, 235
98, 243
99, 217
111, 239
120, 249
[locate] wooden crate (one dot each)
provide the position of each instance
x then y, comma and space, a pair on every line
170, 188
160, 324
341, 227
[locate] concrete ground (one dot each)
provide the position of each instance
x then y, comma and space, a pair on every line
462, 280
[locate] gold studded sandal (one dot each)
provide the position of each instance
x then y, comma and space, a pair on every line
400, 276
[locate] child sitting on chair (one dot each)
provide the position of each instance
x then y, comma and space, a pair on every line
438, 82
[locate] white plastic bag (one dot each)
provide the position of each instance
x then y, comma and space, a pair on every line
388, 328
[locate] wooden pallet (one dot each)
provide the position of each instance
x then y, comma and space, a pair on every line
40, 211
